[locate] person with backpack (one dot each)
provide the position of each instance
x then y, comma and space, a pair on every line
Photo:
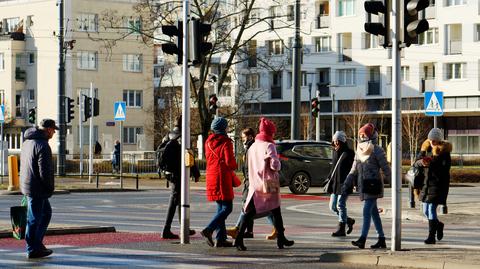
170, 161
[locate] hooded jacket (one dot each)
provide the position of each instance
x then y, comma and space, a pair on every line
36, 165
338, 177
436, 186
220, 168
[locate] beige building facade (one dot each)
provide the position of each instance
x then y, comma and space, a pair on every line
105, 51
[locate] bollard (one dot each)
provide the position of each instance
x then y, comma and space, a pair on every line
98, 179
136, 183
13, 173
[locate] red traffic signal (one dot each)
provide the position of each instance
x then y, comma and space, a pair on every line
315, 107
212, 100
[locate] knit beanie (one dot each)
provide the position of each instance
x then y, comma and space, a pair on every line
219, 125
368, 130
267, 126
340, 136
435, 134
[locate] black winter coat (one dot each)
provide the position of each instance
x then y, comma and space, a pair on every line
245, 171
343, 168
36, 165
437, 183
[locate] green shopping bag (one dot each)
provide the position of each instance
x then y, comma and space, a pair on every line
18, 217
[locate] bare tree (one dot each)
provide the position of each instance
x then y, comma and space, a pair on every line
414, 129
357, 116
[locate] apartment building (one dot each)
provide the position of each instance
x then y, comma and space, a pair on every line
342, 61
103, 48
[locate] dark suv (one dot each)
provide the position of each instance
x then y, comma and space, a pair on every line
304, 164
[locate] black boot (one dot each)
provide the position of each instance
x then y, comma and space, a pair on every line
431, 232
340, 230
360, 243
282, 241
350, 223
380, 244
440, 226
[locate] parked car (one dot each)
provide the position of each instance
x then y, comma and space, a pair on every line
305, 164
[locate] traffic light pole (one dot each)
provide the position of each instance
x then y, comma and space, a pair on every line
61, 94
396, 131
309, 135
185, 185
90, 147
317, 125
80, 129
296, 69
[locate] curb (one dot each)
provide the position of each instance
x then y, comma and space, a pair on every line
393, 261
69, 230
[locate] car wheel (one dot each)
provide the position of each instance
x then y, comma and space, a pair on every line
300, 183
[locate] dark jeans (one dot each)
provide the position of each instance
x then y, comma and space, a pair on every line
224, 208
39, 214
174, 203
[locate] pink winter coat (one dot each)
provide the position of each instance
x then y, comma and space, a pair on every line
262, 160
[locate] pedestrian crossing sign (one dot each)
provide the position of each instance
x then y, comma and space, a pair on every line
120, 112
2, 113
433, 103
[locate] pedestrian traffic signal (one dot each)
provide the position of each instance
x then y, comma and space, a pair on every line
199, 47
170, 47
87, 107
381, 28
32, 115
315, 107
212, 100
96, 107
70, 109
412, 26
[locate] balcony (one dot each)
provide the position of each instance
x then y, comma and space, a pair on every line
454, 47
345, 55
20, 75
252, 61
276, 92
373, 88
324, 90
323, 21
428, 84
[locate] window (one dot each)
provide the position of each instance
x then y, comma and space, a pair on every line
31, 58
252, 53
456, 2
276, 89
312, 151
87, 22
455, 70
133, 25
130, 134
31, 95
133, 98
275, 47
252, 81
323, 44
346, 8
2, 61
132, 62
477, 32
428, 37
18, 105
404, 74
466, 144
86, 136
304, 78
2, 97
87, 60
275, 11
12, 24
371, 41
290, 13
346, 77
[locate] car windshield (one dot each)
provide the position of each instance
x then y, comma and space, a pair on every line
315, 151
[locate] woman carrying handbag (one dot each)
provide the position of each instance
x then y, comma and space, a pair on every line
264, 189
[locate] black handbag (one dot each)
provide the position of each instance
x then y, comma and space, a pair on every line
372, 186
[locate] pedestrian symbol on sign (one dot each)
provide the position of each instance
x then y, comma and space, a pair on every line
119, 111
433, 103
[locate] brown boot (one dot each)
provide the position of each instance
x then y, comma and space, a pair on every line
232, 232
273, 235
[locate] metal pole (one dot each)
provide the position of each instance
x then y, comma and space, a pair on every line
396, 132
317, 125
90, 147
80, 130
333, 113
215, 88
296, 70
61, 94
120, 167
309, 135
185, 188
434, 121
2, 165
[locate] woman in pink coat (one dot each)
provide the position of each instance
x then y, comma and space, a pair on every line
264, 189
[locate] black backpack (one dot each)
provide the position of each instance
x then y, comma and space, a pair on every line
159, 156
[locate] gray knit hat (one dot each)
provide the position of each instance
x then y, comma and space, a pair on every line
435, 134
340, 136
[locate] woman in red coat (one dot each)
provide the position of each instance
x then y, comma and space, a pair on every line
220, 176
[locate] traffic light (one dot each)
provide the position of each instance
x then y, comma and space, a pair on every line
171, 48
87, 107
315, 108
199, 46
32, 115
96, 107
212, 100
412, 26
70, 107
381, 28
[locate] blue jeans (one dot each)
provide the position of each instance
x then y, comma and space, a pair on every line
338, 205
39, 214
224, 208
370, 211
430, 211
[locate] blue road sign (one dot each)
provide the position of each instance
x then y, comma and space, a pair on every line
2, 113
433, 103
120, 111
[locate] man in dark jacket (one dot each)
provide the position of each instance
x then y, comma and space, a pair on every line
342, 161
37, 183
173, 172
